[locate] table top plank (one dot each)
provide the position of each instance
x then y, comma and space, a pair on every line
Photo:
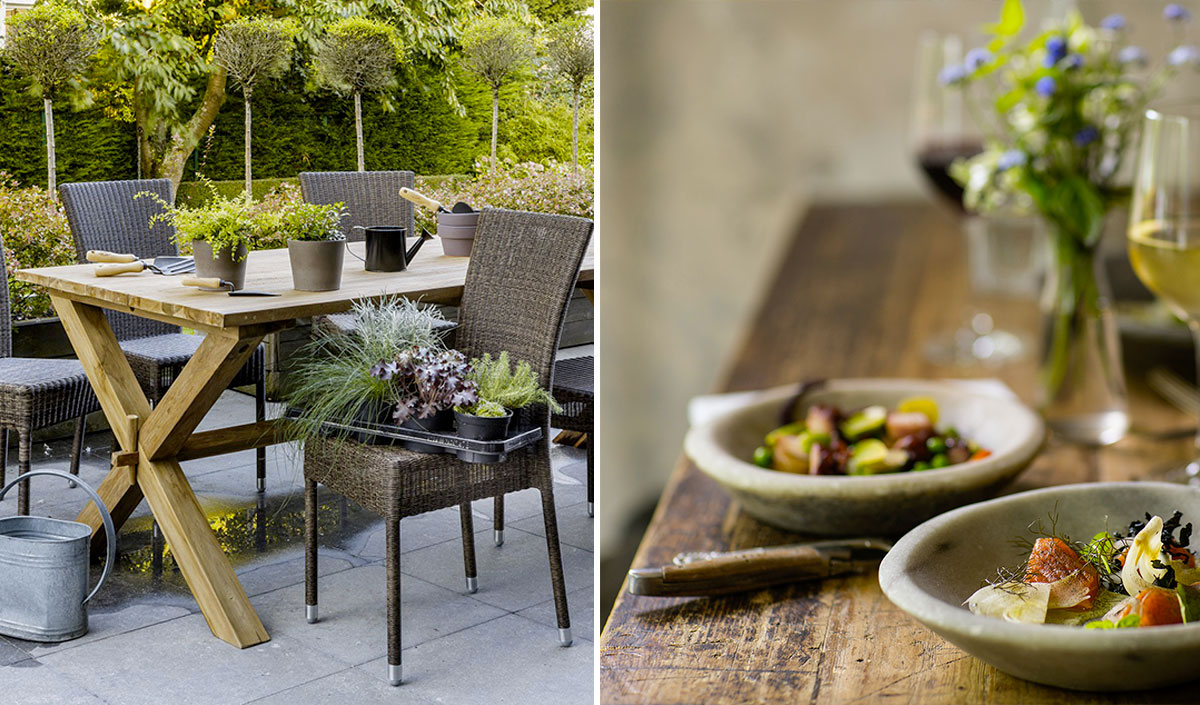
434, 276
857, 293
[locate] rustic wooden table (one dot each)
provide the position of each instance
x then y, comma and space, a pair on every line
857, 293
154, 441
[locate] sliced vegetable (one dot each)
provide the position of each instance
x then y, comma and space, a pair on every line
901, 424
792, 429
868, 457
1012, 602
790, 455
764, 457
920, 405
980, 454
1138, 573
869, 421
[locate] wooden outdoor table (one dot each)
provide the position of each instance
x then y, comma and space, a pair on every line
858, 292
154, 441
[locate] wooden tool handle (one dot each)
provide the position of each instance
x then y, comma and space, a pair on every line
110, 270
203, 282
103, 256
731, 573
419, 198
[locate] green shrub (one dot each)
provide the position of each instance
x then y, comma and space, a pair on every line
502, 385
34, 232
198, 193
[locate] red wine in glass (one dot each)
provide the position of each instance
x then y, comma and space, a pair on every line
935, 159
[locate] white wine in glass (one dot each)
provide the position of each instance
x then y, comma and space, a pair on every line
1164, 225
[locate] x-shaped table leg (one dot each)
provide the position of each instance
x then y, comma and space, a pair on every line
157, 437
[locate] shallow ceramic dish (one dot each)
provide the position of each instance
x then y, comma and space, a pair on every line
936, 566
877, 504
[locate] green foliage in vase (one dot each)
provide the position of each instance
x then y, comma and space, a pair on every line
224, 223
331, 380
1066, 108
297, 220
502, 385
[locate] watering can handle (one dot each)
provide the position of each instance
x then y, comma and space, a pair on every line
110, 531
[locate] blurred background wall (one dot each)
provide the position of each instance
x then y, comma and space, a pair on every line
720, 120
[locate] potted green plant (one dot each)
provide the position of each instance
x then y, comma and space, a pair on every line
219, 233
501, 389
331, 380
427, 384
316, 245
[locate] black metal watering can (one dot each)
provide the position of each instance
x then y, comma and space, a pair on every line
385, 248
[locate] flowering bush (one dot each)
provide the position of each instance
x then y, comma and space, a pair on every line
527, 186
426, 380
34, 232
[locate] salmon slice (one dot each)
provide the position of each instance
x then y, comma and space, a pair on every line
1076, 582
1155, 606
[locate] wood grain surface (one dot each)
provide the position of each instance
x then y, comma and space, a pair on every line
434, 276
857, 294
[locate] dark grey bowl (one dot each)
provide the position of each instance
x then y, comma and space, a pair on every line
936, 566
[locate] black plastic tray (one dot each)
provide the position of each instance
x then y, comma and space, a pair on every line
466, 449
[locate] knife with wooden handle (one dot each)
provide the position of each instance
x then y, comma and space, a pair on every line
700, 574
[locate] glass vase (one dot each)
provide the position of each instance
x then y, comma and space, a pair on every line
1081, 381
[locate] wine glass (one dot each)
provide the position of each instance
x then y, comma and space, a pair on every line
940, 134
1164, 223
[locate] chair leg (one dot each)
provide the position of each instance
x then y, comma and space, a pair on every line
310, 551
24, 443
77, 445
590, 479
395, 675
468, 536
498, 520
3, 457
555, 553
260, 413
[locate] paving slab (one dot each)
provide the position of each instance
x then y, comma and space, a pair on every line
581, 605
31, 682
350, 686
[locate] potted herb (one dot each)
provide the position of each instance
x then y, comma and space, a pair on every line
501, 388
315, 244
220, 233
331, 380
427, 384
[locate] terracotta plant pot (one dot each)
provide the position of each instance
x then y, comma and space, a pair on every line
316, 264
457, 231
224, 266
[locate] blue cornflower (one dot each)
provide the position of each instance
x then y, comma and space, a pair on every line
1115, 23
1056, 49
1185, 54
1011, 159
1176, 13
1045, 86
1073, 61
976, 59
1086, 136
953, 74
1132, 55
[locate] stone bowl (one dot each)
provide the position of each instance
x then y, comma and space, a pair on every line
836, 505
936, 566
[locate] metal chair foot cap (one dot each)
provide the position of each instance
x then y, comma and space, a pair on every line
564, 636
498, 537
262, 485
72, 485
472, 585
310, 613
591, 509
395, 676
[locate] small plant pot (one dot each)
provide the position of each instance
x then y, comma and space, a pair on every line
316, 264
441, 422
457, 231
378, 414
229, 264
482, 428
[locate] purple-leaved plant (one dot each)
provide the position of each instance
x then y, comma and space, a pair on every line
425, 381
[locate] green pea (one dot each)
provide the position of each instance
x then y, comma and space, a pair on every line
950, 432
936, 445
939, 461
764, 457
920, 465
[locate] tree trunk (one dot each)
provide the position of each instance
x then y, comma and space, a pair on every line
185, 139
495, 122
51, 166
249, 193
358, 131
575, 132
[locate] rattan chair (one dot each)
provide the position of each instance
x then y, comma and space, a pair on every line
573, 390
523, 267
104, 215
37, 393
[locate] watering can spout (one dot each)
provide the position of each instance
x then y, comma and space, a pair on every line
412, 251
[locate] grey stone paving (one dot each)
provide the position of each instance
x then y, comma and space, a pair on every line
148, 643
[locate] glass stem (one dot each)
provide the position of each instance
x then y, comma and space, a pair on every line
1193, 467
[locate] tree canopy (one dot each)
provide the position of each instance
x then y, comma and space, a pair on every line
52, 45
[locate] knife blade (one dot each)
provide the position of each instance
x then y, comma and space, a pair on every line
699, 574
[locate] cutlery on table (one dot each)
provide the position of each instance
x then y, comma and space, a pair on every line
719, 573
220, 284
114, 263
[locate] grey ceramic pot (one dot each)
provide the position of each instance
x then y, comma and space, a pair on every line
229, 264
457, 231
939, 564
316, 264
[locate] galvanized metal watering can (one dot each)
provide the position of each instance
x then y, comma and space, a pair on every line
44, 570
